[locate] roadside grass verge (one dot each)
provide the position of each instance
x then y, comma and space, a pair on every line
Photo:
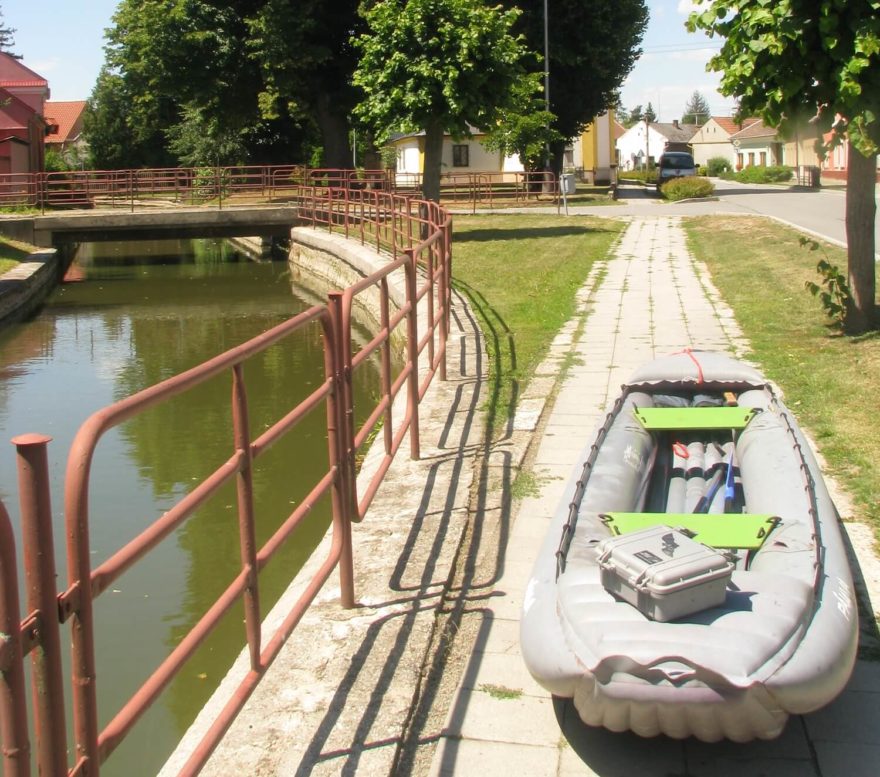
829, 379
12, 252
520, 274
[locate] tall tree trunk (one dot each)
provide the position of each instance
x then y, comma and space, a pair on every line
861, 208
557, 157
433, 161
334, 133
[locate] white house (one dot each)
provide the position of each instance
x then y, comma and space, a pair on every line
466, 155
713, 139
643, 142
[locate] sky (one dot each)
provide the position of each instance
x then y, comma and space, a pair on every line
63, 41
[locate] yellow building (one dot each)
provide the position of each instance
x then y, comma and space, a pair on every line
593, 156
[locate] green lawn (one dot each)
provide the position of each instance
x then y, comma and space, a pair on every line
828, 379
520, 273
11, 253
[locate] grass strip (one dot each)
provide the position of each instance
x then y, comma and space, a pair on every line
521, 273
828, 378
12, 252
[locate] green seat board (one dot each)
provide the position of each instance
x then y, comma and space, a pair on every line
729, 530
681, 418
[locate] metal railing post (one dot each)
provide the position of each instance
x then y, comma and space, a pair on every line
412, 354
42, 601
246, 533
13, 709
344, 446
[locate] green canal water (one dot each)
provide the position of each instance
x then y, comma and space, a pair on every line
141, 313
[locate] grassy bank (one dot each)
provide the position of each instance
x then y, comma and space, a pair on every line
12, 252
828, 379
520, 273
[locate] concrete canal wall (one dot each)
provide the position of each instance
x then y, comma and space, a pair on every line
342, 695
24, 288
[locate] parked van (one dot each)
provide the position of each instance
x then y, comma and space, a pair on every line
674, 164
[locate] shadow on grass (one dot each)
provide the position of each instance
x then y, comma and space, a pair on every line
522, 233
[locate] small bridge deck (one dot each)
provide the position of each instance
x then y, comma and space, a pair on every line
97, 225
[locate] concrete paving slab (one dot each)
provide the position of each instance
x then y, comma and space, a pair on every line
520, 720
478, 758
653, 300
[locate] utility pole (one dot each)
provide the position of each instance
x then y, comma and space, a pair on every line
546, 74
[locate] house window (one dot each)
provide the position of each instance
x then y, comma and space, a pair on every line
751, 158
460, 155
763, 159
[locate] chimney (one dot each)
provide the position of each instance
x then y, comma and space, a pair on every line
675, 123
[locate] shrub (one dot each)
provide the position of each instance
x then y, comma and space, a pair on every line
775, 174
645, 176
686, 188
718, 165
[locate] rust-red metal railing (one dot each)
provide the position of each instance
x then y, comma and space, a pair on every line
413, 300
222, 186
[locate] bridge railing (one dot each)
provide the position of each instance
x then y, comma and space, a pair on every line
418, 244
247, 184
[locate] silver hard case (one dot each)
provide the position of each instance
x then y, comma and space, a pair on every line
663, 572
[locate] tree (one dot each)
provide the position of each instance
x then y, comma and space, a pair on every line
306, 56
524, 129
7, 39
256, 75
636, 115
115, 140
696, 111
593, 46
441, 66
650, 116
791, 60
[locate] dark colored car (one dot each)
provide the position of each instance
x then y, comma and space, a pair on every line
675, 164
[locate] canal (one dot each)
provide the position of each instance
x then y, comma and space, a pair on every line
132, 315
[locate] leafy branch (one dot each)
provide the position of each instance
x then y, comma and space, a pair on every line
832, 291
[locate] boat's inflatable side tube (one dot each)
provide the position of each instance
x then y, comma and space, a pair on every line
823, 662
618, 481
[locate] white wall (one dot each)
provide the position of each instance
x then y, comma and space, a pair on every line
712, 140
633, 141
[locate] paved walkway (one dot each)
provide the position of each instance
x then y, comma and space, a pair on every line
649, 299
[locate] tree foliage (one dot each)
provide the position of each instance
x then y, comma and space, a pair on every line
791, 61
7, 38
650, 116
259, 78
525, 127
441, 66
696, 110
592, 47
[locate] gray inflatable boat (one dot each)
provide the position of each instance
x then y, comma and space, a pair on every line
694, 581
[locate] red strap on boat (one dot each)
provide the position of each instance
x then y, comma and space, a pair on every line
694, 359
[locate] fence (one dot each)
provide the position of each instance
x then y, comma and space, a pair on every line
218, 186
416, 237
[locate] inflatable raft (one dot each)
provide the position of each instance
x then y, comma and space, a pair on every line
694, 581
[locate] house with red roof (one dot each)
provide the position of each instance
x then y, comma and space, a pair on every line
64, 126
23, 94
757, 145
713, 139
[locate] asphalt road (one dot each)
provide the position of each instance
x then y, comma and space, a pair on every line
820, 212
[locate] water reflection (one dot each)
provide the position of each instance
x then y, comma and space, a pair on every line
133, 315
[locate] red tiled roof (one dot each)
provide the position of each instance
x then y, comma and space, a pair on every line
731, 126
757, 129
15, 74
66, 116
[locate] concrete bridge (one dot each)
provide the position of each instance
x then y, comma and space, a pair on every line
64, 227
